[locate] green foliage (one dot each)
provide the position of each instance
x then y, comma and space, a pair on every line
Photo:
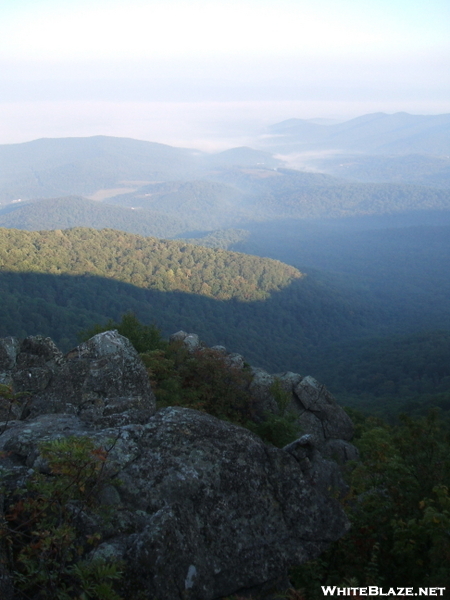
291, 194
147, 263
145, 338
315, 323
399, 374
205, 380
47, 552
64, 213
392, 355
222, 238
11, 404
202, 379
399, 507
202, 205
278, 429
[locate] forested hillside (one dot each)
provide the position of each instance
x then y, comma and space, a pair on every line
433, 171
395, 374
148, 263
201, 204
405, 270
240, 198
199, 191
49, 168
57, 283
74, 211
261, 195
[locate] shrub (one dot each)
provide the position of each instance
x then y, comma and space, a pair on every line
47, 551
203, 380
278, 429
144, 338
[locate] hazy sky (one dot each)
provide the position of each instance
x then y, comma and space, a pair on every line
187, 72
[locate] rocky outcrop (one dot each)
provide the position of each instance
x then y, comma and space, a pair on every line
204, 508
103, 380
329, 427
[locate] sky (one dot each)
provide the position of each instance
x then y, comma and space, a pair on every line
213, 73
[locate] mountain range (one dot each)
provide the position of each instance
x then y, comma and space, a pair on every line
369, 231
378, 133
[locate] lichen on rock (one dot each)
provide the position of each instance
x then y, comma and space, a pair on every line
204, 508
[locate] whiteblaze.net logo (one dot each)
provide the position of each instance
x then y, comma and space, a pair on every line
373, 590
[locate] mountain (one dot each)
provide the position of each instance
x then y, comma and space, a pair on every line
371, 264
200, 191
402, 267
65, 166
201, 204
399, 265
418, 169
49, 168
59, 282
239, 195
341, 320
236, 198
75, 211
378, 133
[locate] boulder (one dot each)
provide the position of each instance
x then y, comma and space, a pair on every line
190, 340
204, 508
313, 398
260, 389
318, 413
9, 349
102, 380
325, 475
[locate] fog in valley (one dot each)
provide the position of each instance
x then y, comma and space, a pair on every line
314, 135
224, 291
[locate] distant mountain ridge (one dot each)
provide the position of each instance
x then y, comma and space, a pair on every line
235, 198
63, 166
50, 168
418, 169
378, 133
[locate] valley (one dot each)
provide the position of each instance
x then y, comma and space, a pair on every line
363, 236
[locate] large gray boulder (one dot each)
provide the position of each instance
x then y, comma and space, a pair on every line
9, 349
313, 397
204, 509
102, 380
318, 414
190, 340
